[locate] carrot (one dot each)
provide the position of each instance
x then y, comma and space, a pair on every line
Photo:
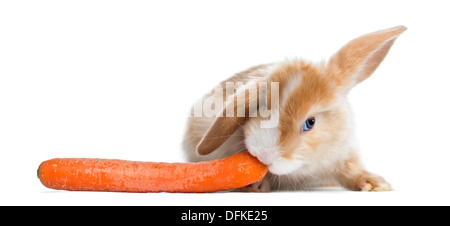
84, 174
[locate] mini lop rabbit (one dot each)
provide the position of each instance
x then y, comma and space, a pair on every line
312, 141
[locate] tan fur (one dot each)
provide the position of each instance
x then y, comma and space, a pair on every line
325, 153
316, 90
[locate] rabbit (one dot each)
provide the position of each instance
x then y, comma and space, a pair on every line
312, 142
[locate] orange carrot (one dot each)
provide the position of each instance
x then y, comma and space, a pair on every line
83, 174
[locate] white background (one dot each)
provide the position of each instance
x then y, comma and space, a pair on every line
115, 79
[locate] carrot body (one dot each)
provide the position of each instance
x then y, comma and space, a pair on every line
84, 174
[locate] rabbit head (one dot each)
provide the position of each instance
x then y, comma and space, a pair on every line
313, 120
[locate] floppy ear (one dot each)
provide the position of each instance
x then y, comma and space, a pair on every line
234, 115
357, 60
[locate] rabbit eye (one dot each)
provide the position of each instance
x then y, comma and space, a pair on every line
309, 124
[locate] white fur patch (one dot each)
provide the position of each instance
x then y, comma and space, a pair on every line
292, 84
281, 166
263, 143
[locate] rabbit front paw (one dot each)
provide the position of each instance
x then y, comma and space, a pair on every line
372, 183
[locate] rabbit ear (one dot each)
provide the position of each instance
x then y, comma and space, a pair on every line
234, 115
222, 128
357, 60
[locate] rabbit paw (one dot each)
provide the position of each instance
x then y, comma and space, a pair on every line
372, 183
